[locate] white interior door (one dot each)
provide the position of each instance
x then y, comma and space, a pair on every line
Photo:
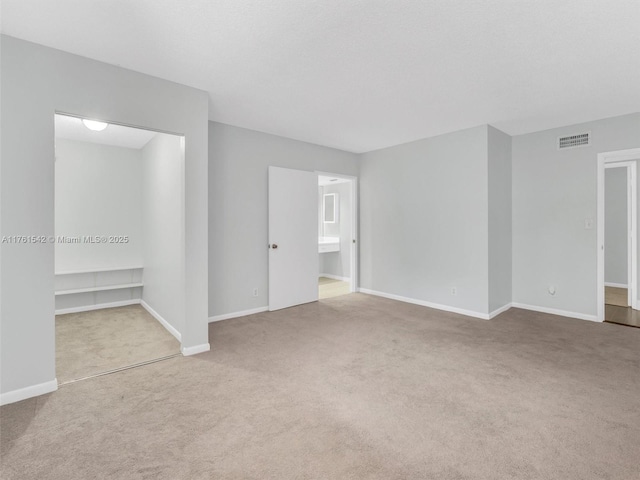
293, 237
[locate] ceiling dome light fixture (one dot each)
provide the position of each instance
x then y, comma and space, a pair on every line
94, 125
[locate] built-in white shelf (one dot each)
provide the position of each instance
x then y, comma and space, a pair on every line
89, 288
328, 244
99, 289
98, 270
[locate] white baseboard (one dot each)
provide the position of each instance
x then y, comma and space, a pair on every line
243, 313
162, 321
555, 311
99, 306
437, 306
335, 277
484, 316
500, 310
188, 351
616, 285
28, 392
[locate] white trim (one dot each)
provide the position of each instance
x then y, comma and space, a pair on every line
103, 288
28, 392
423, 303
500, 310
615, 285
604, 159
355, 244
555, 311
632, 223
98, 270
98, 306
243, 313
335, 277
188, 351
170, 328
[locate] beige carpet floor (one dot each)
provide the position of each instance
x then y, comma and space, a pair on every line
329, 288
88, 343
353, 387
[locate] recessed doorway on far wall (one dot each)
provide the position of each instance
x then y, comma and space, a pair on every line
336, 235
306, 221
617, 227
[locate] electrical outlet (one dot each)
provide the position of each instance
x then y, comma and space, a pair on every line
255, 292
454, 291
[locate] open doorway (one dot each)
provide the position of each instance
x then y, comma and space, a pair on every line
617, 231
336, 235
118, 246
297, 236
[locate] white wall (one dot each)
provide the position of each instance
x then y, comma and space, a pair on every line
238, 162
36, 82
615, 231
553, 193
162, 221
424, 220
97, 193
500, 221
339, 263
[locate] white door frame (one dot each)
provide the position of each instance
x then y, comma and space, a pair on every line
355, 241
619, 159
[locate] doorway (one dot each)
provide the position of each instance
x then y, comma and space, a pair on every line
617, 233
336, 240
306, 222
118, 246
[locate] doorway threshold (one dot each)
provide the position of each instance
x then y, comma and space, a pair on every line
121, 369
622, 316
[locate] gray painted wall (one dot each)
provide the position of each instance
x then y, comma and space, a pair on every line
36, 82
424, 220
553, 193
615, 231
339, 263
500, 222
238, 162
162, 220
97, 192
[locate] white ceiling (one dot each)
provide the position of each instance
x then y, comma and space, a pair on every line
365, 74
323, 180
72, 128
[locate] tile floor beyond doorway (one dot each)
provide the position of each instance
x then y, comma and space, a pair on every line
616, 296
617, 310
622, 315
328, 288
89, 343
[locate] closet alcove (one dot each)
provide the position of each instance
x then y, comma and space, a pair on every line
118, 246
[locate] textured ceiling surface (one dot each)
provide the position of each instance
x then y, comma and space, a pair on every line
361, 75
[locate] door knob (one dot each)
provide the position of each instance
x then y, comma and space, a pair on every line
274, 246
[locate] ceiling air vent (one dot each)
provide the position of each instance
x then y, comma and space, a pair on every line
572, 141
